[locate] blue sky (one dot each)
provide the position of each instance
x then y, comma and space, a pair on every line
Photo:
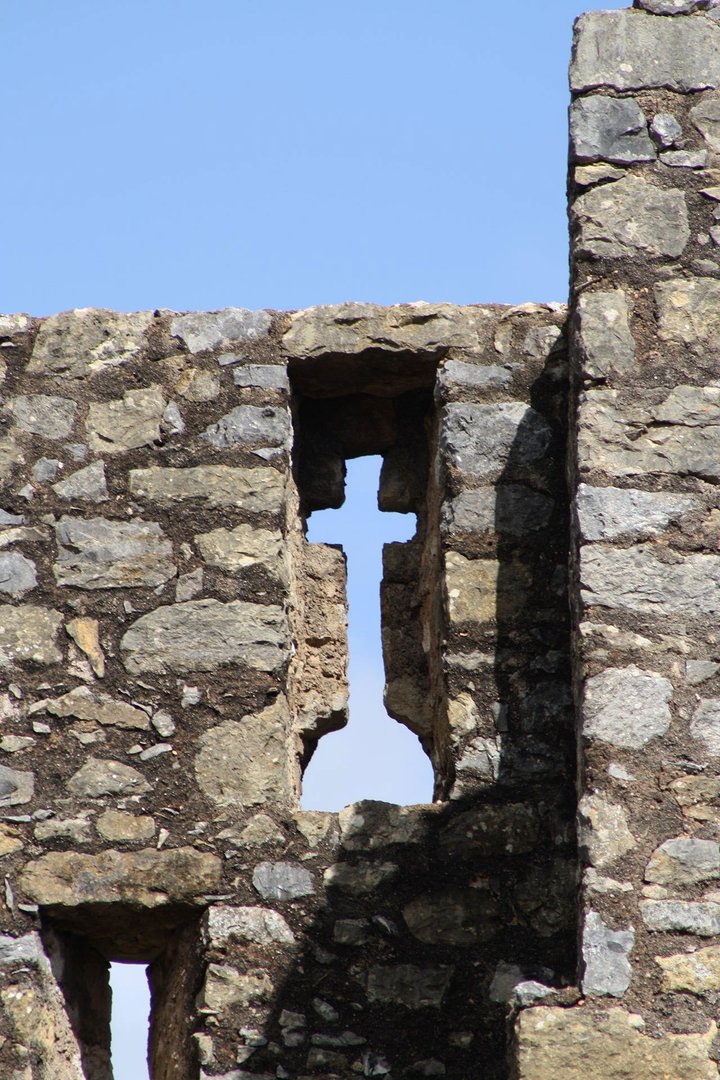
187, 154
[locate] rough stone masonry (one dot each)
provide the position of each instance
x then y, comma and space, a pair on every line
172, 649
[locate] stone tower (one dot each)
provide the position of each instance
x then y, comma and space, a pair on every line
172, 649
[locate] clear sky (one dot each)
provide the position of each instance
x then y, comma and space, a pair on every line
201, 153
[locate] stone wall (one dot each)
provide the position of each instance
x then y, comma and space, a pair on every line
172, 649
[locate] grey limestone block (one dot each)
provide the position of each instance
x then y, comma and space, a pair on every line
675, 7
203, 330
629, 50
29, 633
626, 706
685, 159
408, 985
76, 344
705, 725
631, 217
684, 860
203, 635
666, 129
250, 425
612, 513
98, 553
258, 490
604, 340
45, 415
484, 441
609, 129
634, 579
88, 484
706, 118
283, 881
681, 916
606, 957
17, 574
514, 509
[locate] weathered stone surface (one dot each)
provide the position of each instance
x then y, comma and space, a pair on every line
242, 547
453, 917
688, 311
631, 217
244, 762
225, 986
17, 574
706, 118
696, 972
71, 830
148, 878
113, 427
317, 827
684, 159
603, 831
266, 376
100, 776
88, 483
259, 925
514, 509
635, 580
407, 985
202, 330
673, 7
197, 385
96, 553
360, 878
260, 490
564, 1044
609, 129
85, 633
82, 342
202, 635
118, 826
352, 328
630, 50
587, 175
189, 585
607, 969
705, 724
29, 633
611, 513
283, 881
480, 590
678, 435
16, 787
86, 704
248, 426
684, 861
666, 129
368, 825
41, 414
604, 339
483, 441
455, 373
626, 706
681, 916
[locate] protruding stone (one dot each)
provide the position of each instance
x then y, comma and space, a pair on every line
632, 50
605, 342
696, 973
242, 547
99, 776
203, 635
605, 956
113, 427
626, 706
631, 217
609, 129
86, 704
604, 834
85, 633
368, 825
79, 343
247, 761
17, 574
44, 415
16, 787
564, 1044
283, 881
87, 484
117, 826
612, 513
684, 860
259, 490
97, 553
666, 129
147, 878
706, 118
29, 634
681, 917
203, 330
249, 426
258, 925
225, 987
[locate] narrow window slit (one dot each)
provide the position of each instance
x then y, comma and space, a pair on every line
129, 1021
373, 757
